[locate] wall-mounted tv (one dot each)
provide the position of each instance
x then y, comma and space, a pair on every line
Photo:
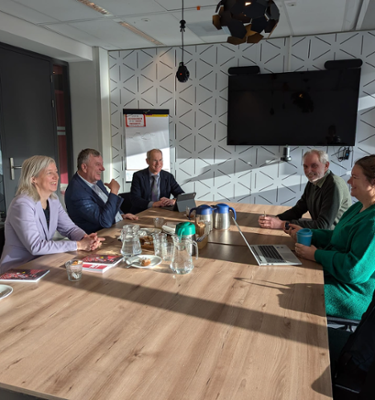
311, 108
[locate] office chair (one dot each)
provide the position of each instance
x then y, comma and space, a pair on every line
354, 371
349, 325
127, 203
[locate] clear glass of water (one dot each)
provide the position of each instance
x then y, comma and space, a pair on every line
137, 249
159, 239
167, 251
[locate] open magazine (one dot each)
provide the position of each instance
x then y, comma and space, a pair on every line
23, 275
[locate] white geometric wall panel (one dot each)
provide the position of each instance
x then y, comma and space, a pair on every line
201, 160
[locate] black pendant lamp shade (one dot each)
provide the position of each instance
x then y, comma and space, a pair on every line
182, 73
246, 19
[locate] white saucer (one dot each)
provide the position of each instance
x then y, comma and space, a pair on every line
5, 291
136, 261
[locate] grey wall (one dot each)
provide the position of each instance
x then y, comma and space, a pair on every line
203, 162
89, 86
84, 95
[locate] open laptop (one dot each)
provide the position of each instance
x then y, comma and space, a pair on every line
183, 200
271, 254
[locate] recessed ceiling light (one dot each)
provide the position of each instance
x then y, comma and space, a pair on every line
95, 7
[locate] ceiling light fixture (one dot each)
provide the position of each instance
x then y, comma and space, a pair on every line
95, 7
182, 73
246, 20
140, 33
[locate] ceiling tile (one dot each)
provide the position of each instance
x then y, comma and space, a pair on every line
25, 13
113, 33
126, 7
165, 28
66, 10
177, 4
309, 17
79, 35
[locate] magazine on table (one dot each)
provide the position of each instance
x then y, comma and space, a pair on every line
102, 259
100, 263
23, 275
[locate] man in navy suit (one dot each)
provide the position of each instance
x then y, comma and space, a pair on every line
152, 187
87, 200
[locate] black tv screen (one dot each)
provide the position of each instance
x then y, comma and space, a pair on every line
312, 108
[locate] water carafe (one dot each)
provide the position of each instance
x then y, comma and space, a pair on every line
203, 213
131, 245
182, 260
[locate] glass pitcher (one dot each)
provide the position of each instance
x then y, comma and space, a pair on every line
182, 260
131, 245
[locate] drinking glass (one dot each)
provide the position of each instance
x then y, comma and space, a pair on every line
158, 222
167, 251
74, 270
159, 239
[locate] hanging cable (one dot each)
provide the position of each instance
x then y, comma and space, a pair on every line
182, 73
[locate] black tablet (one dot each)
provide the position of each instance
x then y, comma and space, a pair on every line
183, 200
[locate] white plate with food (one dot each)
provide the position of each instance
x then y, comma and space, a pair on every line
5, 291
143, 261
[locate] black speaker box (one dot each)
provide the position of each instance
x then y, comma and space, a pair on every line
244, 70
343, 64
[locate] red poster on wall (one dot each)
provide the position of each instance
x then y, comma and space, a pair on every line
135, 120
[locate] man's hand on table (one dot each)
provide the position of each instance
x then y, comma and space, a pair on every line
266, 221
164, 202
129, 216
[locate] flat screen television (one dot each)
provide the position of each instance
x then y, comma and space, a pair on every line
312, 108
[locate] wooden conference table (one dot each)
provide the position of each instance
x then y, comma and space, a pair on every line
228, 330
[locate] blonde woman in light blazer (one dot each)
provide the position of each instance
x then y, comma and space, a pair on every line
35, 214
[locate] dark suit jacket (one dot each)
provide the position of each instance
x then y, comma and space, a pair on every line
141, 189
87, 209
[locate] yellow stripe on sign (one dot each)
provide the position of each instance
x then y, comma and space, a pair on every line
158, 115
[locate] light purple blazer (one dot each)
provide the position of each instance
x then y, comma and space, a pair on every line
27, 235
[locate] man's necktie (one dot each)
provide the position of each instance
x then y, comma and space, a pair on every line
154, 189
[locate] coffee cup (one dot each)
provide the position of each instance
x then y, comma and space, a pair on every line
304, 236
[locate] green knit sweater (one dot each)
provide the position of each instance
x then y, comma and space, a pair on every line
347, 255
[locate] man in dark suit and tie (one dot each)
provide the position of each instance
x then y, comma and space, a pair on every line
88, 202
152, 187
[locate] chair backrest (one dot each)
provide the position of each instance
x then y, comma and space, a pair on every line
357, 357
127, 203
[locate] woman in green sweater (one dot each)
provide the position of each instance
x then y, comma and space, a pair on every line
347, 253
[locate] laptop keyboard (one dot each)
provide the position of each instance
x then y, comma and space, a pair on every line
270, 253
